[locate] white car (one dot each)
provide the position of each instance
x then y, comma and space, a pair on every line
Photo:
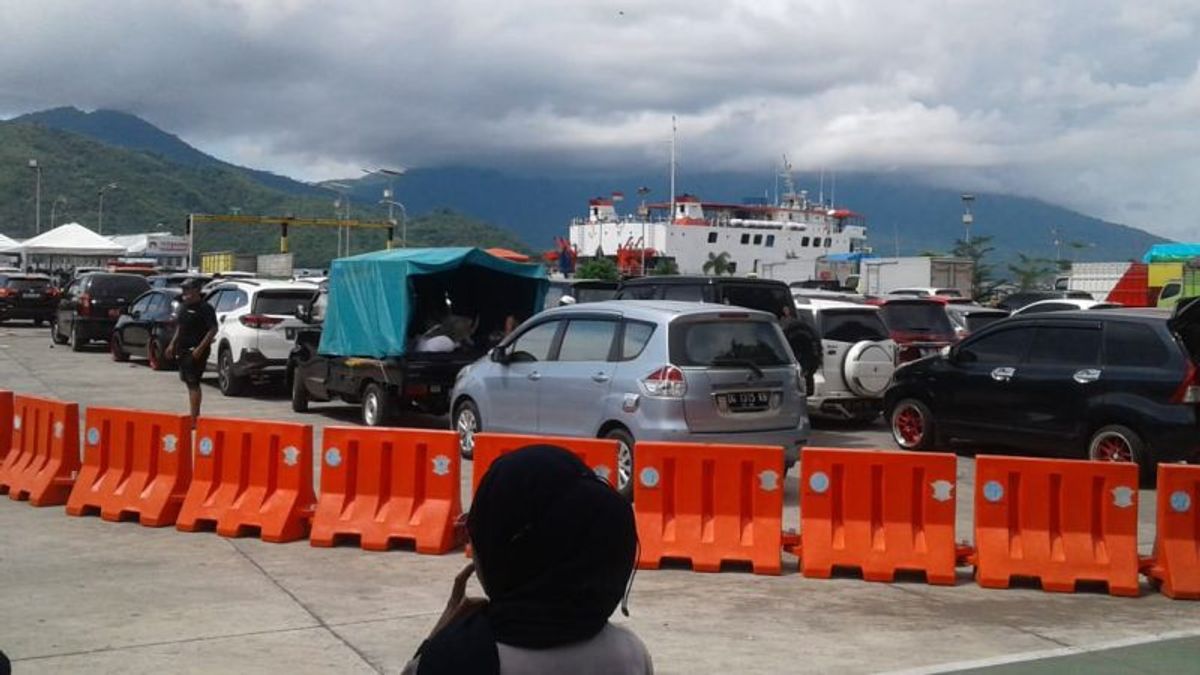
256, 327
1063, 305
927, 292
857, 362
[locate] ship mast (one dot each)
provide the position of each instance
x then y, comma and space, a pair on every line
672, 218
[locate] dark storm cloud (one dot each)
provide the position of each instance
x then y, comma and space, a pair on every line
1090, 104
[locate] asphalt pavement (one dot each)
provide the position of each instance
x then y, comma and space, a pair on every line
83, 594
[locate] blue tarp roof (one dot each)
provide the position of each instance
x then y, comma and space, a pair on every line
1172, 253
372, 297
848, 257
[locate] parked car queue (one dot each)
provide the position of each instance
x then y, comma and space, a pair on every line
1118, 384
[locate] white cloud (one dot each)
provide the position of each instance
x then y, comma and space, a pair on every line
1092, 104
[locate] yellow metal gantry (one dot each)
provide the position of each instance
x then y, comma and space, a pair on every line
283, 222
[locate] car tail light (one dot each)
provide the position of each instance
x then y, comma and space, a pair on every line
259, 321
1189, 389
666, 382
85, 304
53, 292
4, 293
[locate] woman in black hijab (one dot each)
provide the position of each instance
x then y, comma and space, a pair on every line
554, 549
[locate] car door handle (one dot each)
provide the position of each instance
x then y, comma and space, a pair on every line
600, 377
1086, 375
1003, 374
535, 376
221, 319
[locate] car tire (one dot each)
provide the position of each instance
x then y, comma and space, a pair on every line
154, 356
378, 405
229, 383
299, 393
114, 348
912, 424
1119, 443
55, 336
38, 322
624, 459
467, 423
74, 340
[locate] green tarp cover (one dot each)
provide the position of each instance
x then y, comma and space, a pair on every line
373, 297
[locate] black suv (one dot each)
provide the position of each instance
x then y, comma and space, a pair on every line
90, 306
27, 296
1118, 385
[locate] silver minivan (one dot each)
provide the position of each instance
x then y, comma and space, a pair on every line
635, 370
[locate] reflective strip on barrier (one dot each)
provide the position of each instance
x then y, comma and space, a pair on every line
878, 511
44, 458
598, 453
134, 462
387, 484
251, 474
1177, 538
1061, 521
709, 504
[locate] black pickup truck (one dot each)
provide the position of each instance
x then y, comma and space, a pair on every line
391, 330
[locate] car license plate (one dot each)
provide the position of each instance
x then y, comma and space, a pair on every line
289, 333
114, 313
31, 296
748, 401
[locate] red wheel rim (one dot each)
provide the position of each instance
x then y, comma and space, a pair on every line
1112, 448
910, 425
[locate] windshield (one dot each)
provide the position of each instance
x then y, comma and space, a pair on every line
19, 284
852, 326
282, 303
917, 317
763, 297
728, 344
118, 285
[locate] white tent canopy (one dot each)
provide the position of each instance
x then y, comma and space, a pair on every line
8, 245
71, 239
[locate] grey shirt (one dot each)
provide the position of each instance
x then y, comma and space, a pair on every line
614, 650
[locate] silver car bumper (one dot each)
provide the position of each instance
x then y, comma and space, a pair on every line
791, 440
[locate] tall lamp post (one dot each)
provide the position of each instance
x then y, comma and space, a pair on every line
100, 210
37, 198
343, 201
967, 217
404, 222
390, 193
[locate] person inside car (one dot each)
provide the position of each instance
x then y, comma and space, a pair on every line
554, 549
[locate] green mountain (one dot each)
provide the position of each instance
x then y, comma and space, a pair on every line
156, 193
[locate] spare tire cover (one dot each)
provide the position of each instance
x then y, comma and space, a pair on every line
868, 369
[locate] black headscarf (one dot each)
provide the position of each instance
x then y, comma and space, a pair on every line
554, 547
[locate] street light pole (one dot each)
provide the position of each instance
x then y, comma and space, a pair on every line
967, 217
100, 210
37, 168
404, 221
54, 207
389, 195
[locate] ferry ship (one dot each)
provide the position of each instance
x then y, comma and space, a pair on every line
779, 241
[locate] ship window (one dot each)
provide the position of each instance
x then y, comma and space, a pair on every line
712, 237
828, 242
804, 241
745, 239
757, 239
770, 240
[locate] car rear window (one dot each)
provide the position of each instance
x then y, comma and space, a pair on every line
280, 302
118, 285
727, 342
1133, 344
917, 317
763, 297
19, 284
852, 326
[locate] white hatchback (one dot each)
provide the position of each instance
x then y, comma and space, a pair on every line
256, 328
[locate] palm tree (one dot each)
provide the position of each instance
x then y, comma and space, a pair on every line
718, 264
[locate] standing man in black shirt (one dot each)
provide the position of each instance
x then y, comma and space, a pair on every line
196, 328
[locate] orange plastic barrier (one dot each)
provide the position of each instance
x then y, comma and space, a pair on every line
134, 462
598, 453
44, 457
709, 504
878, 511
1061, 521
250, 474
1177, 541
388, 484
6, 420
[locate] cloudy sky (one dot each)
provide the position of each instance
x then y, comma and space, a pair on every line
1093, 104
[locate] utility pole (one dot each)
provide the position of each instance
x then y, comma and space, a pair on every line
37, 198
100, 210
54, 207
389, 197
673, 130
967, 217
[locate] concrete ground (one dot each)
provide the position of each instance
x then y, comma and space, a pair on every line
81, 594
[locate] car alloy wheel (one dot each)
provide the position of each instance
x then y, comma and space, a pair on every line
466, 423
371, 409
1111, 446
624, 464
912, 424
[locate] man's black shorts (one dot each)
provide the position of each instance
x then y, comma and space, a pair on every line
190, 371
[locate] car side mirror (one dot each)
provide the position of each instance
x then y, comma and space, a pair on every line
959, 355
134, 313
500, 355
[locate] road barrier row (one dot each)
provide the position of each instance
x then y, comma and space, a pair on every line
1060, 522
